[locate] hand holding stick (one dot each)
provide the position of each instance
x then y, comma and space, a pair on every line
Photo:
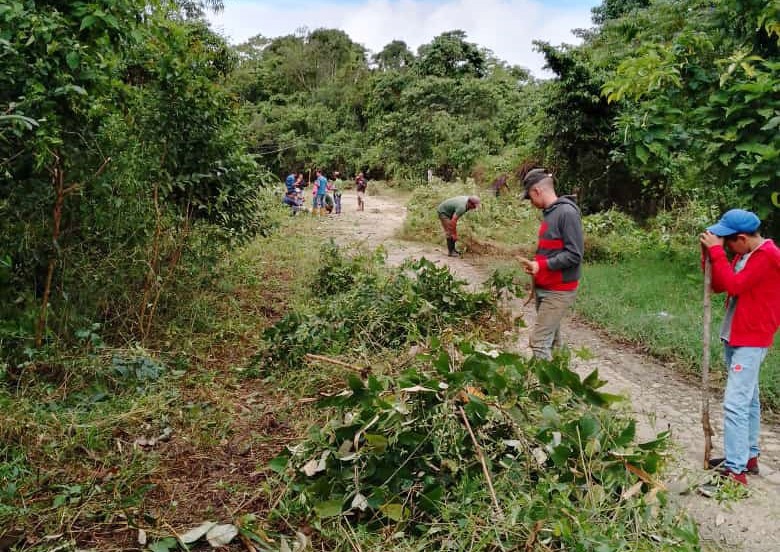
530, 267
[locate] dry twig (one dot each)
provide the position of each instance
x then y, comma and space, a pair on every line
481, 456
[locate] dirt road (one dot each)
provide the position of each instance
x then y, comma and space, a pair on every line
660, 398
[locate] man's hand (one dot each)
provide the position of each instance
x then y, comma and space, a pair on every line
708, 239
530, 267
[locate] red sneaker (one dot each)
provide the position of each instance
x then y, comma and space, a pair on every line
751, 468
740, 478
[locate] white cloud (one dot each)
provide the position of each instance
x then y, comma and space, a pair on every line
508, 27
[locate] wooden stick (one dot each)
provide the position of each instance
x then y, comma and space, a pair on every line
320, 358
481, 456
705, 362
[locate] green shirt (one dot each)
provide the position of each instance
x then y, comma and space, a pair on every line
337, 185
453, 206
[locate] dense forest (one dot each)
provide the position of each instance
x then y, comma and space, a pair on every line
141, 153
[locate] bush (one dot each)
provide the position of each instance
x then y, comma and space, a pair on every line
611, 236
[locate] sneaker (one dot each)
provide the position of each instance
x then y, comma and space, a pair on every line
454, 254
751, 468
740, 478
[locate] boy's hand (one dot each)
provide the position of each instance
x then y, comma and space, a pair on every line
708, 239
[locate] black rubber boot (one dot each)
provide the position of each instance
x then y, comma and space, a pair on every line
451, 248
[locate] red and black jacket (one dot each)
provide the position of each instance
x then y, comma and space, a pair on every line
560, 248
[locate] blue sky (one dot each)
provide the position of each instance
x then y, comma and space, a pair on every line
508, 27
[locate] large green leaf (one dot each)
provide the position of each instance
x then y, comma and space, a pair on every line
329, 508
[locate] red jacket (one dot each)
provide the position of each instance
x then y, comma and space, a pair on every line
757, 289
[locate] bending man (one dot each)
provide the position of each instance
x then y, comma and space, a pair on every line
449, 211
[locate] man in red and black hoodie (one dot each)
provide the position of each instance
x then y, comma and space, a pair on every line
556, 267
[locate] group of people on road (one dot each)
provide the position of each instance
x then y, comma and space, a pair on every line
751, 280
326, 194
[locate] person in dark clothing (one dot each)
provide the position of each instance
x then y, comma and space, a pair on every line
556, 267
360, 188
499, 183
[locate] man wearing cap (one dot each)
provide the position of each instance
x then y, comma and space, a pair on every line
450, 211
556, 267
752, 282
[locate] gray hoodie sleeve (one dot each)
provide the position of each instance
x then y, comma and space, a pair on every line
570, 230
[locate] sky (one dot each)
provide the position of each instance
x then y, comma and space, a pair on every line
507, 27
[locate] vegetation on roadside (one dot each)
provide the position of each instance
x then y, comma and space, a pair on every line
422, 456
362, 307
105, 441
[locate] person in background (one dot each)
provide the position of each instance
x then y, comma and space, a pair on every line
556, 268
338, 185
499, 183
290, 181
321, 188
292, 194
360, 187
752, 282
450, 211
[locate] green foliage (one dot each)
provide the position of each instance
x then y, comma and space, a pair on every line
396, 453
613, 236
120, 150
365, 308
317, 103
576, 138
450, 55
699, 97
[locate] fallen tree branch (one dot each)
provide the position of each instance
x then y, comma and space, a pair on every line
482, 461
320, 358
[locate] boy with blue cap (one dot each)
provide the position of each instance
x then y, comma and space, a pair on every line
752, 282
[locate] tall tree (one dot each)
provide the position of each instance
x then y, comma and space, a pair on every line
451, 55
394, 56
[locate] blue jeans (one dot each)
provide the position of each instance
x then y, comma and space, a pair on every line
741, 407
337, 201
319, 201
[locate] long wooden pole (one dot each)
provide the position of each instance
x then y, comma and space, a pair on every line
705, 361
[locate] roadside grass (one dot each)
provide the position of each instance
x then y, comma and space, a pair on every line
98, 442
656, 303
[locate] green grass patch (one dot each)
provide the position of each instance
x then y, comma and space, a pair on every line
89, 436
657, 303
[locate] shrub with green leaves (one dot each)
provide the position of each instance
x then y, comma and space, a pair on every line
365, 306
613, 236
397, 454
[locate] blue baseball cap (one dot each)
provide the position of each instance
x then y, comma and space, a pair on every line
736, 221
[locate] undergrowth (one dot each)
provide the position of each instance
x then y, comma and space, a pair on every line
479, 450
364, 307
91, 435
